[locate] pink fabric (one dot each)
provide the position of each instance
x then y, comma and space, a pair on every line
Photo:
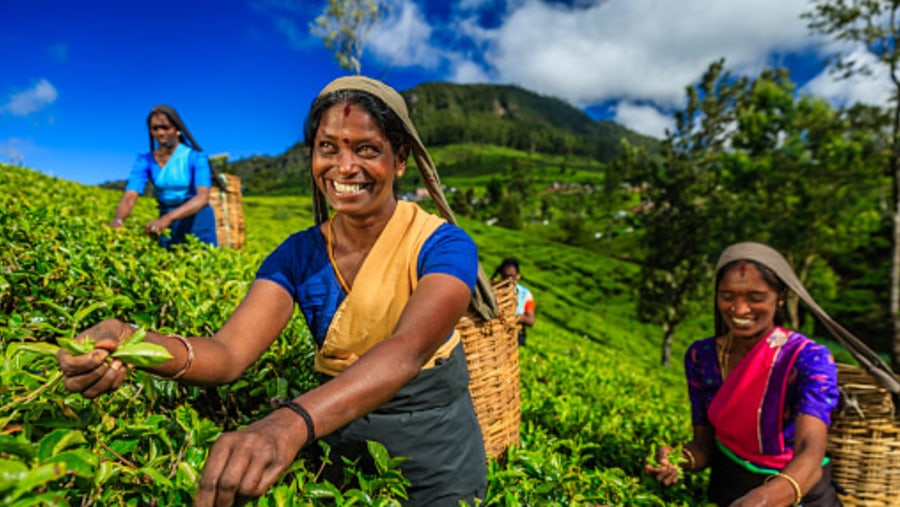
736, 410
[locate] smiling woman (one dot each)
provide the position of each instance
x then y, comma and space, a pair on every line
382, 285
181, 179
761, 395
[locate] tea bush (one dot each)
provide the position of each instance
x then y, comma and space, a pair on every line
592, 402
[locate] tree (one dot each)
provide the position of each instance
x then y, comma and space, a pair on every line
752, 161
344, 27
677, 189
802, 175
874, 25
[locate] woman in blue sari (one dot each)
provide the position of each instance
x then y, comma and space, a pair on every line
181, 179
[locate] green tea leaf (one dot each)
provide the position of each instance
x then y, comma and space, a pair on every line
11, 472
77, 347
137, 337
142, 354
39, 348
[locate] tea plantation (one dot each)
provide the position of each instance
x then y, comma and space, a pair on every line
594, 400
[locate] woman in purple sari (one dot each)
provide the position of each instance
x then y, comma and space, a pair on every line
761, 395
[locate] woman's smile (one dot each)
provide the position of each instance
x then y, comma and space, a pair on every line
354, 163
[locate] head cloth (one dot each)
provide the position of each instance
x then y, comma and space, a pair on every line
773, 260
483, 303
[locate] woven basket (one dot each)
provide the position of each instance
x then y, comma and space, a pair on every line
864, 441
492, 355
229, 210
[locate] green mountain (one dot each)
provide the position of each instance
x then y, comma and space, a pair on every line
451, 114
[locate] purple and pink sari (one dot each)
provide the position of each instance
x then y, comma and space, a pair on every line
754, 411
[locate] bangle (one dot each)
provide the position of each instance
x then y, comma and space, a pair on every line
187, 363
690, 458
118, 221
798, 493
296, 407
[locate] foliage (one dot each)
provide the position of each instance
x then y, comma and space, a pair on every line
592, 402
745, 156
873, 25
344, 27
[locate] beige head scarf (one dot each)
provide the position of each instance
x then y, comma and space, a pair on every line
483, 302
770, 258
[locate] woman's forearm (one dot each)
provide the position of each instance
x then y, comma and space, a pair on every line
126, 204
190, 207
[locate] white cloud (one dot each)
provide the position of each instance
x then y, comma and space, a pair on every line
401, 39
465, 71
23, 103
643, 119
639, 49
603, 51
874, 89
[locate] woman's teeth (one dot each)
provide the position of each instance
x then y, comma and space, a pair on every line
741, 322
343, 188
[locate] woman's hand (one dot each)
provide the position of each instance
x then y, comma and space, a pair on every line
156, 227
244, 464
663, 470
92, 374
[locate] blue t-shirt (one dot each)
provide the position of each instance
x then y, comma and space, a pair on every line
301, 266
175, 183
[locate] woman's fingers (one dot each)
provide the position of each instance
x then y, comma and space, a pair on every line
234, 468
72, 365
245, 463
92, 381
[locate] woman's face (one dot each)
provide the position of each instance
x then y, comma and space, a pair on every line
353, 163
746, 302
511, 272
163, 130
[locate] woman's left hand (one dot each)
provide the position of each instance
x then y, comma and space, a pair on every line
157, 226
662, 470
244, 464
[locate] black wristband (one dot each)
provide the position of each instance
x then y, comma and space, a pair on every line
279, 402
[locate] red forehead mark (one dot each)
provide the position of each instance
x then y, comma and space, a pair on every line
346, 141
346, 109
742, 269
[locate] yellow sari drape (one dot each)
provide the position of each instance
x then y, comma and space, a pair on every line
381, 290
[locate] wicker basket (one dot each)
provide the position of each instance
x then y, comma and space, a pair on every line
864, 441
229, 211
492, 354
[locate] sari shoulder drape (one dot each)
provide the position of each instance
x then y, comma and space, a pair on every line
747, 413
381, 290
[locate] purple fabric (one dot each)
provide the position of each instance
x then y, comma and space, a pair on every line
811, 386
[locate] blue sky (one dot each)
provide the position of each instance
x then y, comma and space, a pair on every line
78, 78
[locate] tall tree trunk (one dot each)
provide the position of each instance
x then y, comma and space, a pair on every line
668, 339
894, 163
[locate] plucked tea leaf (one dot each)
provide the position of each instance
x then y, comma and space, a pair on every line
142, 354
77, 347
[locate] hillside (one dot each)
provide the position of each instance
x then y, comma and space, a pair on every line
594, 401
448, 114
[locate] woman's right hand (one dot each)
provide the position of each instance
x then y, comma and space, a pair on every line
662, 469
92, 374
